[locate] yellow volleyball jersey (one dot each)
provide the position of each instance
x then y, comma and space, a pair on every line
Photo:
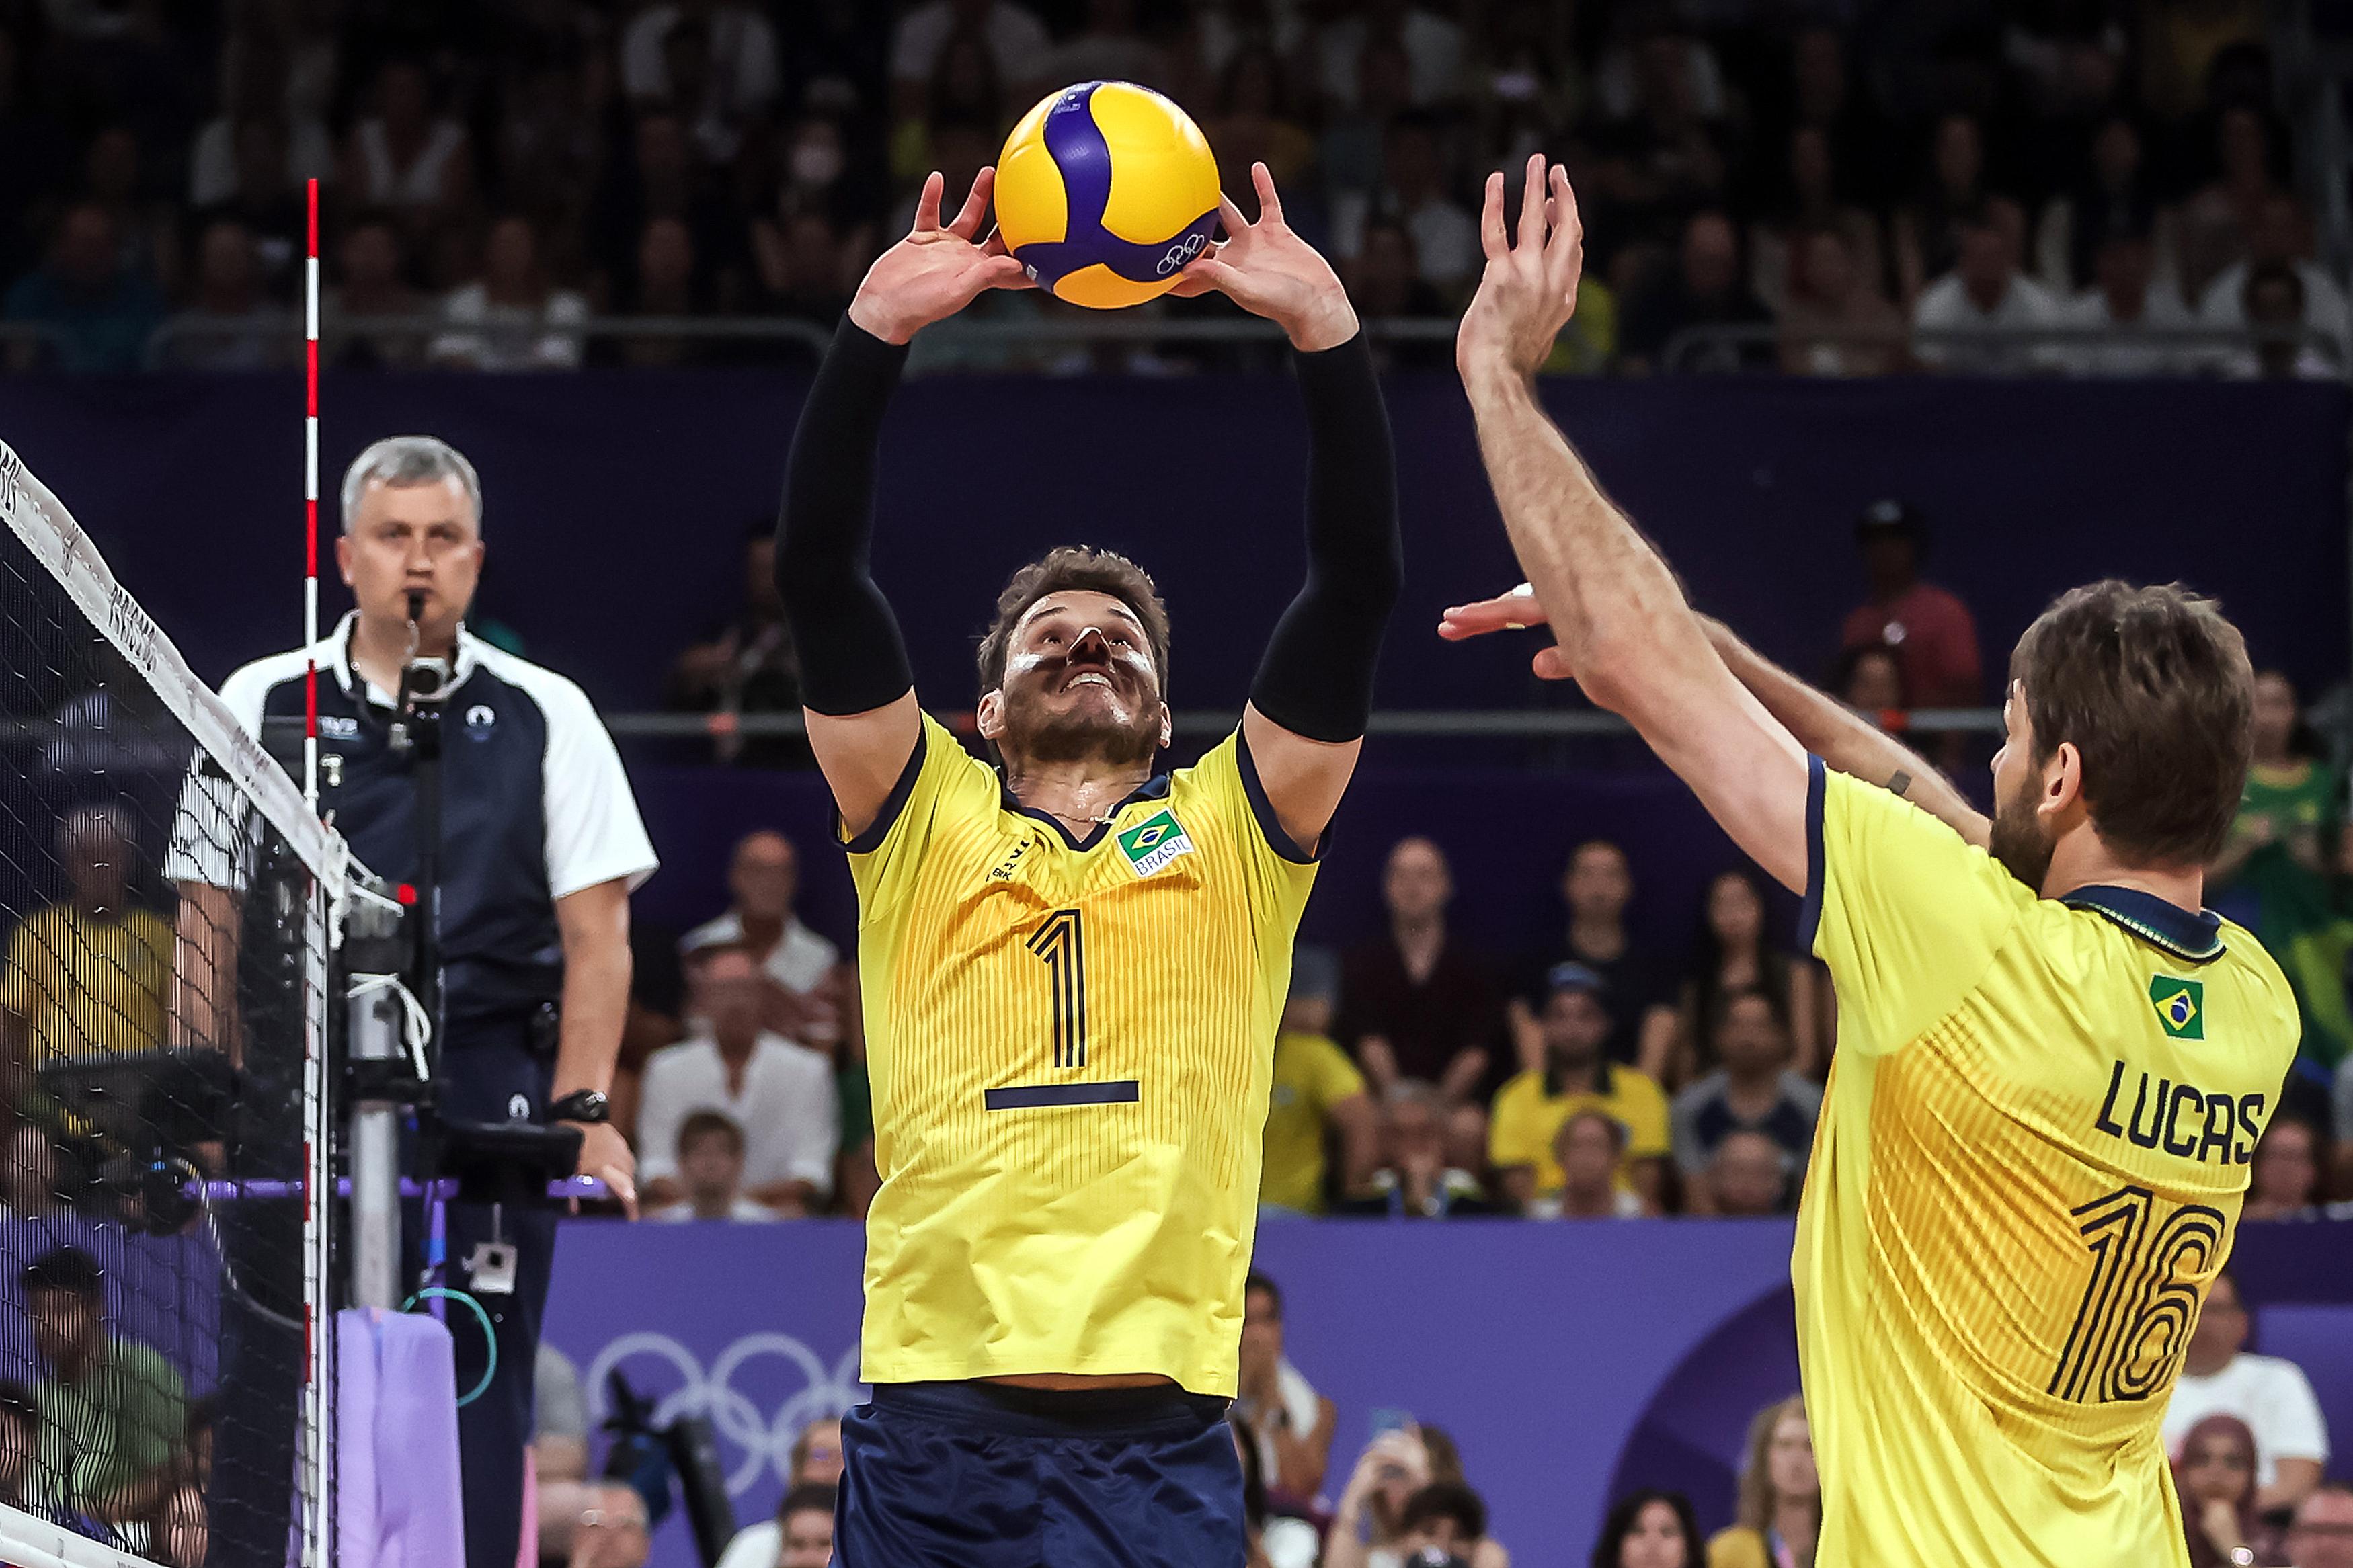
2027, 1172
1070, 1044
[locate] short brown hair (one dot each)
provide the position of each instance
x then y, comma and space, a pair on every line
2153, 687
1076, 568
704, 1124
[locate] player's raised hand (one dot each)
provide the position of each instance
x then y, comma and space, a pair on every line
937, 270
1529, 288
1267, 269
1513, 612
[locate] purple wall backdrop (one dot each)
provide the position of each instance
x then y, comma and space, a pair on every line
615, 504
1508, 832
1570, 1360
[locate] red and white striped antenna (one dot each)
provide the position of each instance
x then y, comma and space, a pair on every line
310, 508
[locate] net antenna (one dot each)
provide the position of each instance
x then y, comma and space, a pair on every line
311, 504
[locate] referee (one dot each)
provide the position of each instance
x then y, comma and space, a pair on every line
541, 844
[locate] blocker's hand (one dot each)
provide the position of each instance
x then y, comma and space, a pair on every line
1267, 269
1511, 612
1529, 288
937, 269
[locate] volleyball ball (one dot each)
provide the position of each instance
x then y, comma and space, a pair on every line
1105, 192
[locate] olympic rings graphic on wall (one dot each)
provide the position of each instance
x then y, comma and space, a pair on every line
765, 1440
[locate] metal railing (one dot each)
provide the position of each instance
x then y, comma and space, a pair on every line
1529, 723
2182, 351
423, 328
2177, 351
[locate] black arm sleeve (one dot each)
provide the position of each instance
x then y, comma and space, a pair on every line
852, 658
1316, 678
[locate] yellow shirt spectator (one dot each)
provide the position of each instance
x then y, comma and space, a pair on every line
1528, 1115
88, 985
1530, 1109
1311, 1075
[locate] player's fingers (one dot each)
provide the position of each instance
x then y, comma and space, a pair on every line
927, 205
1004, 272
1531, 205
995, 244
1552, 664
1230, 217
967, 222
1492, 238
1504, 613
1192, 286
1566, 253
1204, 273
1269, 204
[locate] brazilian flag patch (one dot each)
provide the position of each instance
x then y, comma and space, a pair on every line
2180, 1005
1153, 843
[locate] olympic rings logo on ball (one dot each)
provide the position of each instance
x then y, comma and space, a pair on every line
1183, 251
766, 1440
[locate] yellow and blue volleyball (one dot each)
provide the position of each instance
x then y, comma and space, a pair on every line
1105, 192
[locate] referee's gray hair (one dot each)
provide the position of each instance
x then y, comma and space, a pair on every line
409, 460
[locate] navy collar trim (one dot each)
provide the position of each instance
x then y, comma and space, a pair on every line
2193, 938
1153, 788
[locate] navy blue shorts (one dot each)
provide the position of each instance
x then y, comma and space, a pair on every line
979, 1475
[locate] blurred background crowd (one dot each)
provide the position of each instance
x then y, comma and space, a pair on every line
1842, 188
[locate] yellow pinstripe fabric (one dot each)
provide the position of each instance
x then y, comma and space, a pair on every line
1995, 1279
1094, 1238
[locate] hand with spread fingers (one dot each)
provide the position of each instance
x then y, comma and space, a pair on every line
1529, 289
1267, 269
937, 269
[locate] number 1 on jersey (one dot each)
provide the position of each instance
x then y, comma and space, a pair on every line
1060, 942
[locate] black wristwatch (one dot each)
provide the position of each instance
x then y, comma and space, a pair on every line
586, 1106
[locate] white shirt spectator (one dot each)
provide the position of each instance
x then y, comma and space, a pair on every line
212, 164
787, 1107
743, 1208
1623, 1204
1947, 306
509, 337
743, 80
1017, 40
2273, 1397
2225, 301
423, 182
1432, 43
800, 962
742, 56
2127, 355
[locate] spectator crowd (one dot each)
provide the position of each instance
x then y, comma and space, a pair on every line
1761, 186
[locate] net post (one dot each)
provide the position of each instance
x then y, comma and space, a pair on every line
373, 953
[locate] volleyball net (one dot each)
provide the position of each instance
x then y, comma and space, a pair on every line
166, 902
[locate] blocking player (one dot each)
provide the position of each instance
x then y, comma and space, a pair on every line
1073, 968
2053, 1065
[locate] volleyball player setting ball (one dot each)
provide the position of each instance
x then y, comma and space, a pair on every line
2053, 1065
1072, 962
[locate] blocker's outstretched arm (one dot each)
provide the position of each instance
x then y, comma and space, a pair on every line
857, 690
1305, 722
1823, 725
1618, 613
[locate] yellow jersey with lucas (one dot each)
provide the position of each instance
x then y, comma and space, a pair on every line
1071, 1043
2028, 1170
